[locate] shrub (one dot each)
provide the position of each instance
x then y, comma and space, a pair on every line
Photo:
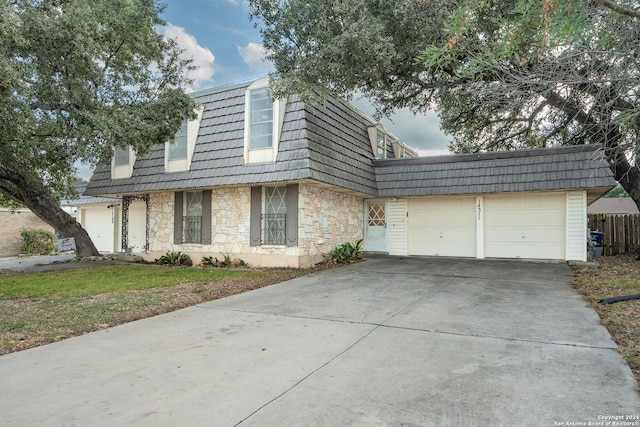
346, 253
37, 242
175, 259
227, 262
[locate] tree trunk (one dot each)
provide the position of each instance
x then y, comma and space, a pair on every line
628, 176
37, 197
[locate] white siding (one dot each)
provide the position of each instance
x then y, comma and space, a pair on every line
577, 226
397, 227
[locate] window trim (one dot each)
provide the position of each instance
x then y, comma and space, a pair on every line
193, 128
124, 170
374, 131
269, 154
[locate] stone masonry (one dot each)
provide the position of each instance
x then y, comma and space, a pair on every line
326, 218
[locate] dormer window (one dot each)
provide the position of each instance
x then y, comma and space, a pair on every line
263, 119
178, 147
260, 119
378, 139
179, 151
122, 162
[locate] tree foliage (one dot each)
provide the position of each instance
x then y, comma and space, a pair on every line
502, 74
78, 77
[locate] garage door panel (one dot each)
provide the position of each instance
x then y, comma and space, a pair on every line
442, 227
525, 226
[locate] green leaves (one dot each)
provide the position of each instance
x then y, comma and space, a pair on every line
83, 76
347, 253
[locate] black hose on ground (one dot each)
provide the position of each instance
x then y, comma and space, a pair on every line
619, 299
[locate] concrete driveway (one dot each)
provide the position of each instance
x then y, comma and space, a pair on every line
390, 342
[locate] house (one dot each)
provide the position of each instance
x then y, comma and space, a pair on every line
281, 183
613, 205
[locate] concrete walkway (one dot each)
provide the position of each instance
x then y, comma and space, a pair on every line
42, 263
389, 342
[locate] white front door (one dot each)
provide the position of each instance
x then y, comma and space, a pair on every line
375, 237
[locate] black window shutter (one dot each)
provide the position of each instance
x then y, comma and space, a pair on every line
206, 217
291, 203
177, 218
255, 216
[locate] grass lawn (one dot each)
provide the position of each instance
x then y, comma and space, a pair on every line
40, 308
616, 276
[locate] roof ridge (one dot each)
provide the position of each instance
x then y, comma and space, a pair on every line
493, 155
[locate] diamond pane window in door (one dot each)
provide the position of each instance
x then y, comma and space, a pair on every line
376, 214
274, 215
375, 238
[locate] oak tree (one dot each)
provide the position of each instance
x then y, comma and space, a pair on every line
502, 74
78, 78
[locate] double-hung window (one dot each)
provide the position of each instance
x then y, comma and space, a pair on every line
378, 139
274, 216
122, 162
179, 151
381, 145
178, 147
263, 119
192, 220
192, 217
260, 119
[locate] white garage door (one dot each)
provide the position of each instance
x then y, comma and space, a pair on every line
531, 226
444, 226
99, 223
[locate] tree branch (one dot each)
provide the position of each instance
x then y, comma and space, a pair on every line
620, 9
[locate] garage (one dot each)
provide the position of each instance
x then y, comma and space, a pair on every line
441, 226
531, 226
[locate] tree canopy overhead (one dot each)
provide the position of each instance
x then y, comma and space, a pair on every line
77, 78
502, 74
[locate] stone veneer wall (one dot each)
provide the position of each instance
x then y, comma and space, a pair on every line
326, 218
12, 222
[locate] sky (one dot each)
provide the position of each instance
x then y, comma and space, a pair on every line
221, 39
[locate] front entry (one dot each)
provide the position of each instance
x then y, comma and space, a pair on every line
375, 235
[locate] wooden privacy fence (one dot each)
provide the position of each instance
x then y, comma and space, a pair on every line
621, 232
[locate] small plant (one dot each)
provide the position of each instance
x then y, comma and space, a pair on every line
227, 262
37, 242
175, 259
346, 253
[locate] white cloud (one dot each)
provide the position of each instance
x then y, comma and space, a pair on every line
202, 57
253, 55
